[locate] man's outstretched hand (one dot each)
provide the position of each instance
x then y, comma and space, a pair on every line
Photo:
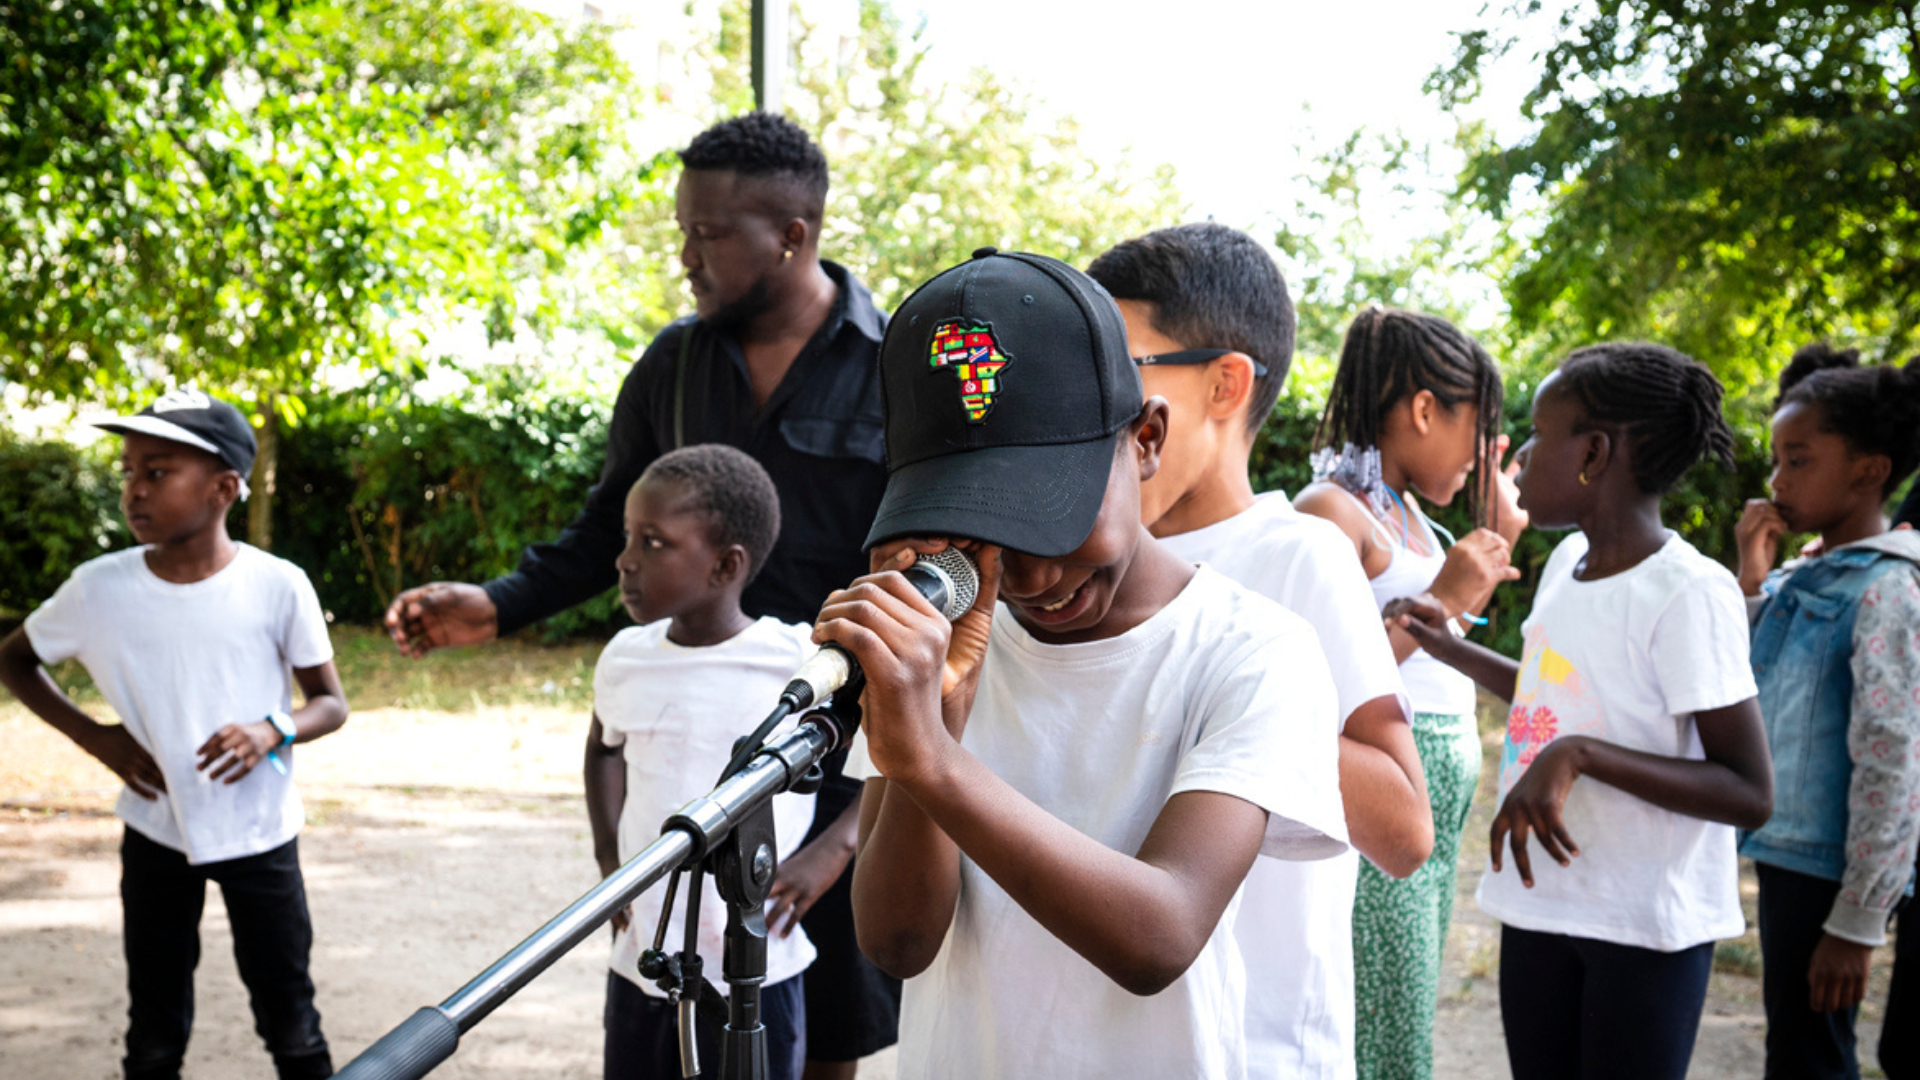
440, 614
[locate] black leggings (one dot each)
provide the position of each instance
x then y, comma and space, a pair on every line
1579, 1009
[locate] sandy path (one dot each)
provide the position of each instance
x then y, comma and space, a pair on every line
435, 842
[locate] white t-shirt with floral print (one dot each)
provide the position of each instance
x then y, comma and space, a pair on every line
1627, 659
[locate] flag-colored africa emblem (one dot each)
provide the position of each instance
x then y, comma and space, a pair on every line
969, 350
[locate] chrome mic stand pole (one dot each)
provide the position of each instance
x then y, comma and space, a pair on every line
429, 1036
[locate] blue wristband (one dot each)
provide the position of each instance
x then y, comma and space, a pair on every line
283, 724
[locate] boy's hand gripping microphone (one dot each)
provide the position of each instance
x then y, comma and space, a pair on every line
949, 581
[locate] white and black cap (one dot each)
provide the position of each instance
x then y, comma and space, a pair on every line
189, 416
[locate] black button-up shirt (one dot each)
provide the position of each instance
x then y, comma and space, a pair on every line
819, 436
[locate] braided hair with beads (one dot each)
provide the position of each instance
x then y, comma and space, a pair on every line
1390, 355
1664, 403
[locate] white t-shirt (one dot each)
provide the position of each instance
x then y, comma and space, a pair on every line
675, 712
1296, 918
1222, 690
1627, 659
180, 662
1432, 686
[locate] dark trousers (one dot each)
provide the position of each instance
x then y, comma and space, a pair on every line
1900, 1035
643, 1033
853, 1008
1806, 1045
1579, 1009
1801, 1044
161, 898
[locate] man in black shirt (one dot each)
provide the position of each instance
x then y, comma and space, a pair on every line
780, 361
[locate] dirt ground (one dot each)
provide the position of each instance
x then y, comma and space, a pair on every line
435, 842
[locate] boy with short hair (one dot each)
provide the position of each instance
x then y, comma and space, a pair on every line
670, 696
189, 638
1065, 792
1210, 324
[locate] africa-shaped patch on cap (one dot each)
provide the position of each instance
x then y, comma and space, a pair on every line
969, 349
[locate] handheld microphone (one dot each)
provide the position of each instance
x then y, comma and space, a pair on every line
949, 581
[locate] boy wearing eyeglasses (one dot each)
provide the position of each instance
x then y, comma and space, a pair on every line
1211, 326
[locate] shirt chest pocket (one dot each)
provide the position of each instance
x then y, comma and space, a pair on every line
1800, 630
836, 438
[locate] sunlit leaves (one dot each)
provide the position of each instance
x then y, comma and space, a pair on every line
245, 194
1733, 178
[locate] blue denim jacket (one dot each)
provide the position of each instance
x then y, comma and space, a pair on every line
1803, 662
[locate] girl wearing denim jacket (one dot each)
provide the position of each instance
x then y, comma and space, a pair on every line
1836, 654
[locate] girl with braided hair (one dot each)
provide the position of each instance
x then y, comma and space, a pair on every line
1634, 745
1836, 653
1413, 414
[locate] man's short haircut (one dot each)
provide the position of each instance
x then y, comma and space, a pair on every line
1211, 287
768, 147
730, 488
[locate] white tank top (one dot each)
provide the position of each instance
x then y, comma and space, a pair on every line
1432, 687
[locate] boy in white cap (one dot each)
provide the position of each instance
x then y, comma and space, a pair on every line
189, 638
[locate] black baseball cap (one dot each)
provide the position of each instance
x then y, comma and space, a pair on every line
1004, 380
189, 416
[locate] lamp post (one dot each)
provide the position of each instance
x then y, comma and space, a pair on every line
769, 54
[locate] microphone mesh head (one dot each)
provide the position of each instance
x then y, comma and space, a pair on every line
959, 569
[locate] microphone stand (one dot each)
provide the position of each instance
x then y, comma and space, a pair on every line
731, 829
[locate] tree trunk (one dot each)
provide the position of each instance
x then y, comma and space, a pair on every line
265, 463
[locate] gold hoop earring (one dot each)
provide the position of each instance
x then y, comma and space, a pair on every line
1583, 477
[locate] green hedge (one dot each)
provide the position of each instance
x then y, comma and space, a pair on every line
380, 490
378, 493
59, 507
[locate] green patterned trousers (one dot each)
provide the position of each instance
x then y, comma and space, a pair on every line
1400, 927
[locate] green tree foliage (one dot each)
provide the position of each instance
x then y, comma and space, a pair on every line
59, 507
1731, 178
255, 196
245, 195
924, 171
1340, 263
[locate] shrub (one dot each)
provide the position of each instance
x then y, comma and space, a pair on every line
380, 492
59, 507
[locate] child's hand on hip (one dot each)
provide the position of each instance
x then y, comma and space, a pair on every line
800, 882
236, 749
114, 747
1533, 807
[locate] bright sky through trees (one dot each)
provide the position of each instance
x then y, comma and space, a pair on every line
1238, 95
